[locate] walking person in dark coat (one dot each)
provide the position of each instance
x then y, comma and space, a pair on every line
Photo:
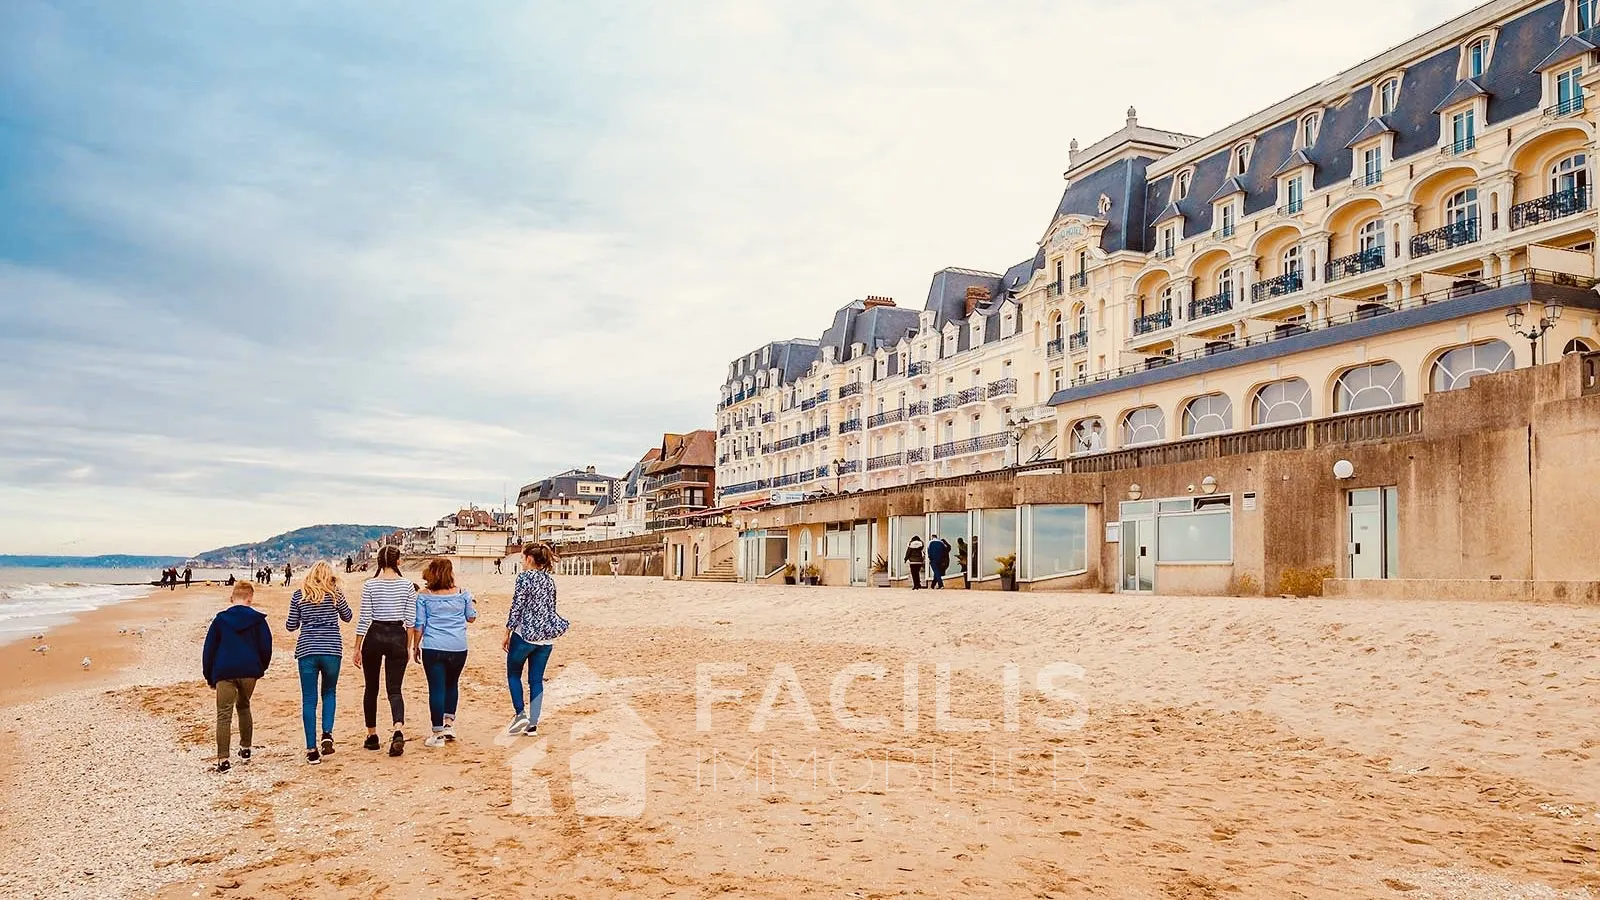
188, 577
938, 560
237, 650
915, 559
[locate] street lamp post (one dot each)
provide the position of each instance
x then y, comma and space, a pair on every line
1515, 316
838, 473
1019, 427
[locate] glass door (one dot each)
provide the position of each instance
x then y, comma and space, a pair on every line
1372, 535
861, 553
1138, 535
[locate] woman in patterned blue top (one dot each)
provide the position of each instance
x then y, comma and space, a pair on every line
315, 611
531, 630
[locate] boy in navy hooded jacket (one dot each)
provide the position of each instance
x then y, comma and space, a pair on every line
237, 651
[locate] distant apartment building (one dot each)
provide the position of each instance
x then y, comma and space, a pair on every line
626, 515
1398, 229
480, 537
681, 481
557, 508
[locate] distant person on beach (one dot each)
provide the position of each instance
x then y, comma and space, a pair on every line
315, 610
443, 612
961, 560
188, 577
532, 627
172, 579
288, 574
231, 580
938, 560
349, 565
497, 567
237, 651
915, 559
616, 568
384, 640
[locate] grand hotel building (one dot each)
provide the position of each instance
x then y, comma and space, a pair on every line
1353, 247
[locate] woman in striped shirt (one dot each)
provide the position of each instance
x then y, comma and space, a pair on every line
383, 639
315, 611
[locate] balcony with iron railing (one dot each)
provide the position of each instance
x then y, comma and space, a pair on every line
1456, 234
1292, 208
1078, 340
849, 467
824, 395
779, 481
917, 455
1151, 322
1370, 178
1224, 232
1212, 305
1054, 348
1461, 145
1550, 207
948, 401
1167, 252
788, 443
849, 425
724, 431
970, 395
970, 445
1564, 108
920, 408
1287, 283
1077, 281
1004, 387
809, 403
886, 461
745, 487
1053, 289
1355, 264
888, 417
768, 418
851, 389
920, 367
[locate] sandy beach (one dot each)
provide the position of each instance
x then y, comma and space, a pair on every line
1127, 748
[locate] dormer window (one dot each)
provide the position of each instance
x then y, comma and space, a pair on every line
1585, 14
1308, 131
1294, 194
1388, 96
1241, 159
1182, 187
1227, 219
1568, 92
1475, 57
1463, 131
1169, 241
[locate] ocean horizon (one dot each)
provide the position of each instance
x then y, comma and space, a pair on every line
32, 599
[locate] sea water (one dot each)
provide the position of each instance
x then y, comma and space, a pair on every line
32, 600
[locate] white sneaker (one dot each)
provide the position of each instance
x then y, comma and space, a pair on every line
449, 732
434, 740
519, 725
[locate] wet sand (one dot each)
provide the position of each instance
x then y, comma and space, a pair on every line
1206, 748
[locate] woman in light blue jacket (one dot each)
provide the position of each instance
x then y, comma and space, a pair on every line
443, 612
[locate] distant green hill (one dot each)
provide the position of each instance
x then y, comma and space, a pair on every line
303, 545
114, 561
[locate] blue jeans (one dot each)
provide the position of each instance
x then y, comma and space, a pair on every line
326, 665
443, 668
938, 575
536, 656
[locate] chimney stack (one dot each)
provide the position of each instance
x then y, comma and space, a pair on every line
874, 300
976, 297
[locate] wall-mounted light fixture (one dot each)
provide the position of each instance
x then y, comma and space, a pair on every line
1135, 492
1209, 484
1344, 469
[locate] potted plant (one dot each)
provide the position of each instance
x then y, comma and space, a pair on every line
788, 573
811, 574
1008, 571
880, 572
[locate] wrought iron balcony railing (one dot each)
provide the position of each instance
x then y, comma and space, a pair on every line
1152, 322
948, 401
970, 395
888, 417
1461, 145
1354, 264
745, 487
1003, 387
851, 389
920, 367
1078, 281
823, 395
917, 455
970, 445
849, 425
1210, 306
1370, 178
1167, 252
1292, 208
1054, 348
809, 403
1225, 231
788, 443
1053, 289
1456, 234
1078, 340
920, 408
1550, 207
1287, 283
886, 461
768, 418
1566, 107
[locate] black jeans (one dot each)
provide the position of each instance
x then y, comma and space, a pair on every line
443, 668
384, 645
916, 576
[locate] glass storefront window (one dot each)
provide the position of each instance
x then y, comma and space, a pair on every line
1054, 542
997, 535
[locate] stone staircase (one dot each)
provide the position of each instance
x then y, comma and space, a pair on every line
723, 573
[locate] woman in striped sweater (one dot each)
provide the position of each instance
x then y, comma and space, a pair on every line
383, 639
315, 611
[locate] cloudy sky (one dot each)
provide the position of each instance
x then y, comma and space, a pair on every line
300, 262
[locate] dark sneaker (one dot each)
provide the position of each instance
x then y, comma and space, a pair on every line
327, 743
313, 757
372, 742
223, 765
397, 744
244, 754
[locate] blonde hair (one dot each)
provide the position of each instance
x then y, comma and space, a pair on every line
244, 591
320, 584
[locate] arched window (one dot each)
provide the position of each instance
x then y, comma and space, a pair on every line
1225, 283
1456, 367
1144, 425
1082, 318
1166, 299
1477, 57
1388, 96
1088, 435
1288, 400
1182, 188
1576, 345
1308, 131
1208, 413
1291, 260
1369, 387
1055, 326
1241, 159
1370, 237
1461, 207
1570, 175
